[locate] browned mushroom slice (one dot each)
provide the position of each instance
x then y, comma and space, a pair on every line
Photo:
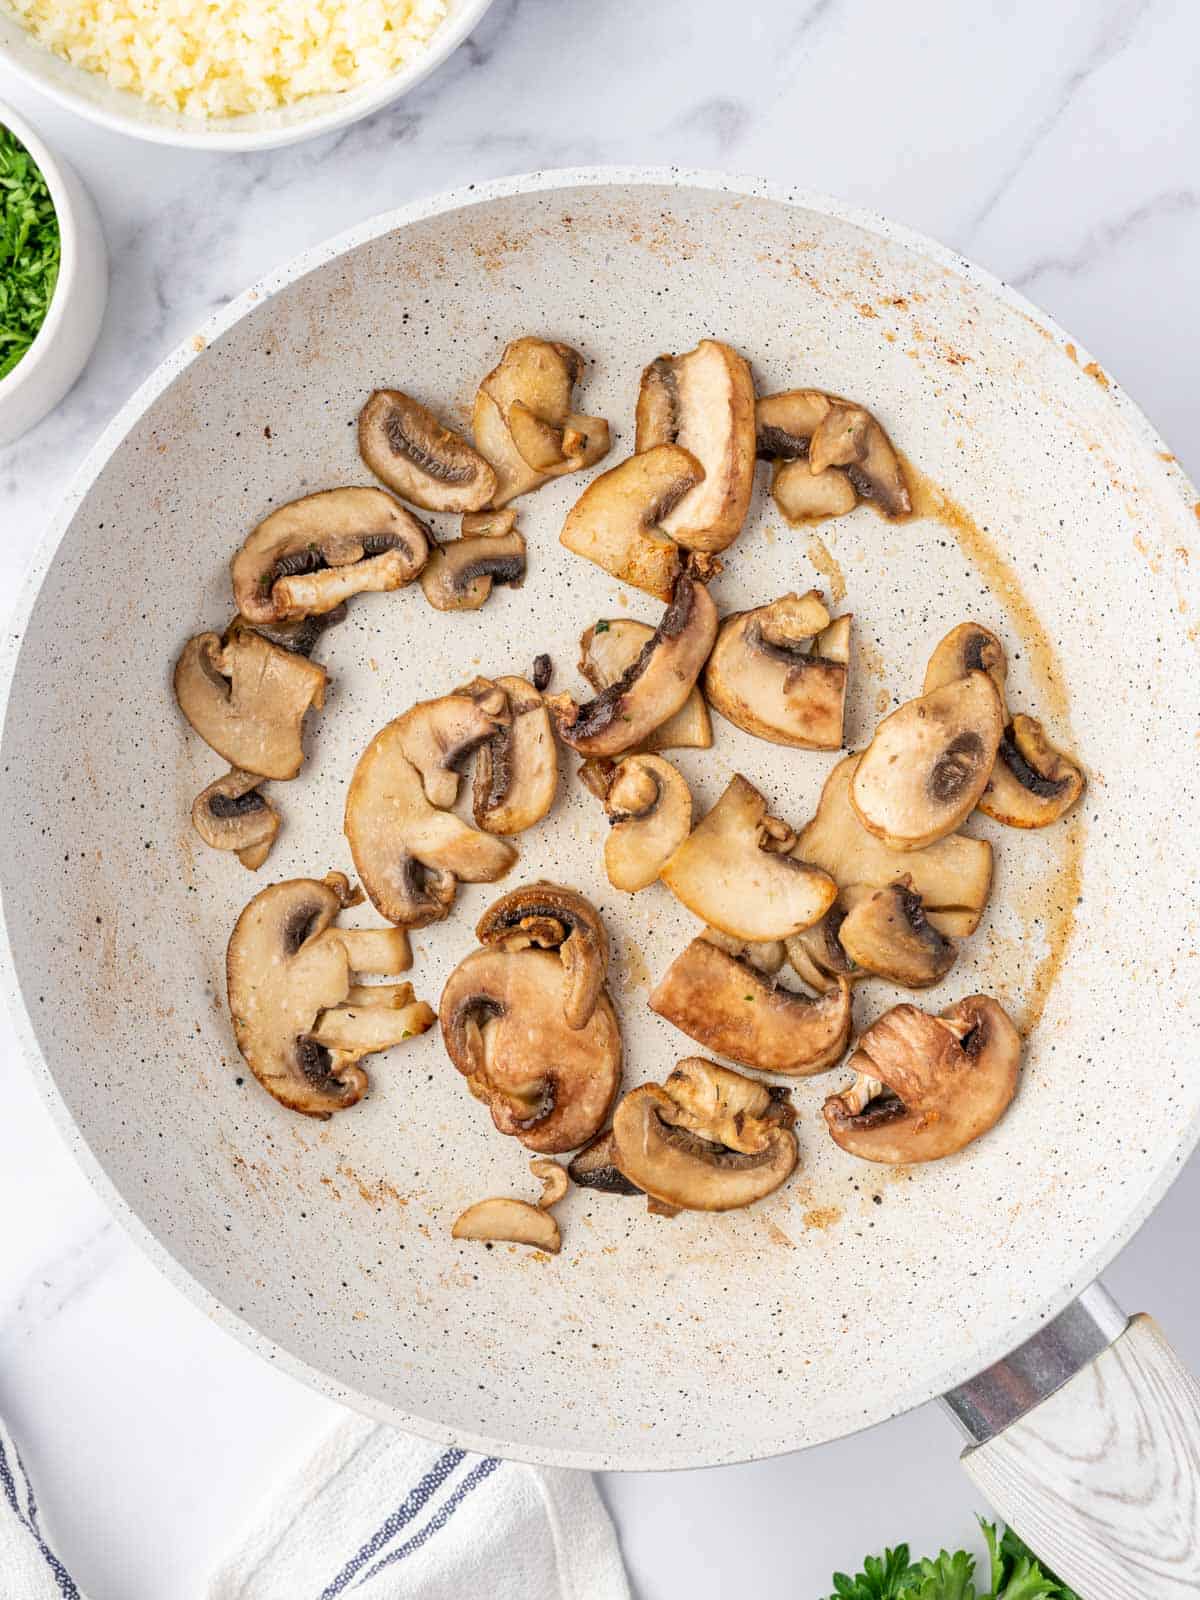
516, 770
616, 520
313, 554
832, 433
764, 677
548, 916
410, 852
301, 1024
595, 1167
708, 1139
654, 688
815, 954
553, 1179
703, 401
461, 573
729, 1006
731, 872
1032, 784
547, 1084
300, 635
608, 649
803, 495
953, 876
970, 647
650, 808
509, 1222
231, 814
418, 458
526, 402
929, 762
927, 1086
247, 698
887, 933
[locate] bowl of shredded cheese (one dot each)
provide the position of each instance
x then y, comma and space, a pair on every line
230, 74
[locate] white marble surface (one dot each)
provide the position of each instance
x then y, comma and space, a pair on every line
1058, 142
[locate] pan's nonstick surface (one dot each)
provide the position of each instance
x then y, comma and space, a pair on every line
855, 1291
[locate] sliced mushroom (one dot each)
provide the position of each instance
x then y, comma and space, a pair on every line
608, 649
764, 678
418, 458
290, 997
616, 522
730, 871
550, 917
313, 554
929, 762
650, 808
595, 1167
730, 1007
887, 933
815, 954
516, 770
767, 956
231, 814
553, 1179
970, 647
461, 573
409, 851
804, 496
503, 1024
654, 688
953, 876
300, 635
1032, 784
706, 1140
704, 402
832, 433
927, 1086
524, 404
247, 697
509, 1222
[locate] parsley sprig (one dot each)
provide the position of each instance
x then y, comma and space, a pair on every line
1015, 1574
29, 250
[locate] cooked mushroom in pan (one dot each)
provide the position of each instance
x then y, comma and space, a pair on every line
595, 1167
419, 458
967, 648
649, 807
247, 698
313, 554
765, 676
546, 916
510, 1222
516, 768
461, 573
523, 421
654, 688
300, 1021
708, 1139
806, 430
608, 649
730, 1007
815, 954
703, 402
233, 814
886, 932
927, 1086
617, 520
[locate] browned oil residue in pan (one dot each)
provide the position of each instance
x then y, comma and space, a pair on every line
1058, 894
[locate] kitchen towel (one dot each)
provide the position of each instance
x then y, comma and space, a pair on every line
377, 1515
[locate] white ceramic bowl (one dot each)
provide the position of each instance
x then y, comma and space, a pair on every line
88, 95
67, 337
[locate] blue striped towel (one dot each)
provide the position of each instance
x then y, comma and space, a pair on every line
376, 1515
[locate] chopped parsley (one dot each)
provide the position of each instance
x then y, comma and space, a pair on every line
601, 627
29, 250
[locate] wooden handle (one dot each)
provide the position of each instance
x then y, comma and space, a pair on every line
1102, 1480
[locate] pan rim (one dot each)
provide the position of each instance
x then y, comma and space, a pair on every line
1002, 1339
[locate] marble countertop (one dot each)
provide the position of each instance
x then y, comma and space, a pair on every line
1055, 141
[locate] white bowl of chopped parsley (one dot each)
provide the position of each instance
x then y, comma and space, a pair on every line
53, 277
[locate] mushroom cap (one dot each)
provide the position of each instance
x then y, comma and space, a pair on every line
552, 917
516, 769
408, 851
247, 698
616, 520
532, 385
929, 762
654, 688
314, 553
606, 652
724, 874
461, 573
830, 432
1032, 784
510, 1222
764, 678
952, 876
949, 1079
231, 814
422, 461
547, 1084
730, 1007
650, 808
670, 1139
704, 402
969, 647
887, 933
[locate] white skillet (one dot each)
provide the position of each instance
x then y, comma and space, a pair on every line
855, 1292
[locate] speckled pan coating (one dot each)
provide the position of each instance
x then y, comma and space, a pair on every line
854, 1292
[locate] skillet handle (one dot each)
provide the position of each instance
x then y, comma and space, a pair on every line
1087, 1441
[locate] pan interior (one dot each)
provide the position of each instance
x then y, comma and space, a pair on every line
854, 1291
